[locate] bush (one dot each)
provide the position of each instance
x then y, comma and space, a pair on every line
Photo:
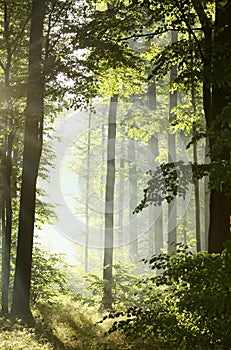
187, 306
91, 285
49, 278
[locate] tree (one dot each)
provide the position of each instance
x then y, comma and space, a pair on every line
12, 45
109, 205
154, 146
51, 24
87, 191
216, 96
133, 234
31, 158
172, 206
210, 27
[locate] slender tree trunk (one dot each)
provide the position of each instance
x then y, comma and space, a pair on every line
154, 147
6, 238
196, 183
102, 195
133, 235
7, 172
206, 197
121, 195
87, 192
109, 206
151, 143
31, 159
172, 213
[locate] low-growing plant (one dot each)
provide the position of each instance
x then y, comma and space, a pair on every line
50, 279
125, 276
187, 306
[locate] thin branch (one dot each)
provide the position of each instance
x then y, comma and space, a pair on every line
2, 65
147, 35
153, 34
19, 36
204, 20
191, 30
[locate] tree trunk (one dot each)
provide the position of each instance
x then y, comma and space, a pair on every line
196, 183
172, 234
121, 196
7, 172
31, 159
133, 235
220, 201
102, 195
87, 192
156, 212
206, 197
109, 206
7, 232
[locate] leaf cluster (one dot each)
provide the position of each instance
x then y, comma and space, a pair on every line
49, 278
167, 181
188, 303
173, 179
123, 277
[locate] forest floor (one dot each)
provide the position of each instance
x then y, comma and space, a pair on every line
61, 327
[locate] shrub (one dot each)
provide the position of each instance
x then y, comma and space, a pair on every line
50, 278
187, 306
90, 286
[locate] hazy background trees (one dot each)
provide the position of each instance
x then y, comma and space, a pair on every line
171, 74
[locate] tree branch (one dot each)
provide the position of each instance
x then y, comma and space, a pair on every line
190, 29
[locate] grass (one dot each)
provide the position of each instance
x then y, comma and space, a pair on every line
60, 327
68, 326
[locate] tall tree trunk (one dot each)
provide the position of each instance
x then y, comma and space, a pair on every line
109, 206
6, 237
154, 147
133, 235
31, 158
121, 195
196, 183
102, 195
220, 201
7, 171
172, 234
87, 192
216, 96
206, 197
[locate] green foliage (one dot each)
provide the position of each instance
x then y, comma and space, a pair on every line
59, 327
50, 278
173, 179
124, 276
187, 306
69, 326
167, 181
220, 132
17, 337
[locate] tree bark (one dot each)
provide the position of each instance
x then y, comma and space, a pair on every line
7, 171
31, 158
220, 201
133, 234
206, 197
109, 206
172, 234
196, 182
156, 237
121, 196
87, 192
7, 222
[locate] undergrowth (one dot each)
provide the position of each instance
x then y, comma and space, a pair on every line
61, 326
